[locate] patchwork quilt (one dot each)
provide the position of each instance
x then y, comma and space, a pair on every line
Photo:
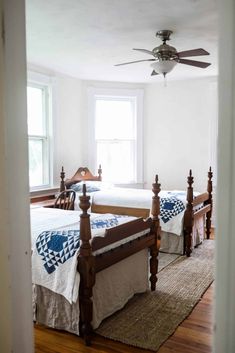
172, 207
54, 255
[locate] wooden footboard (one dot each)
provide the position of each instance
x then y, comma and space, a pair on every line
89, 264
128, 211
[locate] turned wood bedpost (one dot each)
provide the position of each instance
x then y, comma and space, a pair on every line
100, 172
209, 202
154, 249
188, 217
62, 176
86, 268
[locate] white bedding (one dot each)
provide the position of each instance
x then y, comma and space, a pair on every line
58, 281
140, 198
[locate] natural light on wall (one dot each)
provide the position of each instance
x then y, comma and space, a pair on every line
115, 136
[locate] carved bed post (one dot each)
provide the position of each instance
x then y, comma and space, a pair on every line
86, 268
209, 202
188, 217
62, 176
100, 172
154, 249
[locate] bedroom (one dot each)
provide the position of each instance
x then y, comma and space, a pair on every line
151, 95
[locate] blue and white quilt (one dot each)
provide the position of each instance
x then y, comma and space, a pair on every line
54, 257
172, 207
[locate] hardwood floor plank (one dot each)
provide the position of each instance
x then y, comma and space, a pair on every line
194, 335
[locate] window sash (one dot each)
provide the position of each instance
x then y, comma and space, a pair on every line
44, 137
45, 176
118, 160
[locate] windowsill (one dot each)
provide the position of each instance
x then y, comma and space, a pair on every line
44, 192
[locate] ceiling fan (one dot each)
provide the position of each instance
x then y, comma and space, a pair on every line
166, 56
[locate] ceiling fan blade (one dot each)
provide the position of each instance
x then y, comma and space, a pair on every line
201, 64
137, 61
144, 51
154, 73
192, 52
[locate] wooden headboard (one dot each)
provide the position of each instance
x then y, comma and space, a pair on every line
83, 173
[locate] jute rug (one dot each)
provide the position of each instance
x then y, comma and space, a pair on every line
150, 318
165, 260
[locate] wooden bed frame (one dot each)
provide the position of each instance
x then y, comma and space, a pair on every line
190, 215
89, 265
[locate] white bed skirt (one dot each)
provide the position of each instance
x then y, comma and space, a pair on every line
113, 288
174, 244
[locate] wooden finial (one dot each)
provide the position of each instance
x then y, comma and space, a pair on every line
210, 174
84, 203
84, 189
156, 188
62, 183
190, 178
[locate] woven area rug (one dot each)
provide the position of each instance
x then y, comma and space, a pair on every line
165, 260
150, 318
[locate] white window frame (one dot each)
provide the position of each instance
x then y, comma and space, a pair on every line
135, 95
46, 83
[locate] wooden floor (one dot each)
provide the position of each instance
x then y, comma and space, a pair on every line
194, 335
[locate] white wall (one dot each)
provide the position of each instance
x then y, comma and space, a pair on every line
178, 121
68, 126
177, 134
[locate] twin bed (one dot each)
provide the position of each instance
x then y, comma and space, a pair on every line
84, 271
185, 217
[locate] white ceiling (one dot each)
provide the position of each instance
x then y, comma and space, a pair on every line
85, 38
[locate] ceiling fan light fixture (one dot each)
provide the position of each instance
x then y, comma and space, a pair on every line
164, 66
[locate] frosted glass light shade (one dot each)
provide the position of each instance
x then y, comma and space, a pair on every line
164, 66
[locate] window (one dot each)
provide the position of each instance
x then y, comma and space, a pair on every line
38, 103
117, 134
